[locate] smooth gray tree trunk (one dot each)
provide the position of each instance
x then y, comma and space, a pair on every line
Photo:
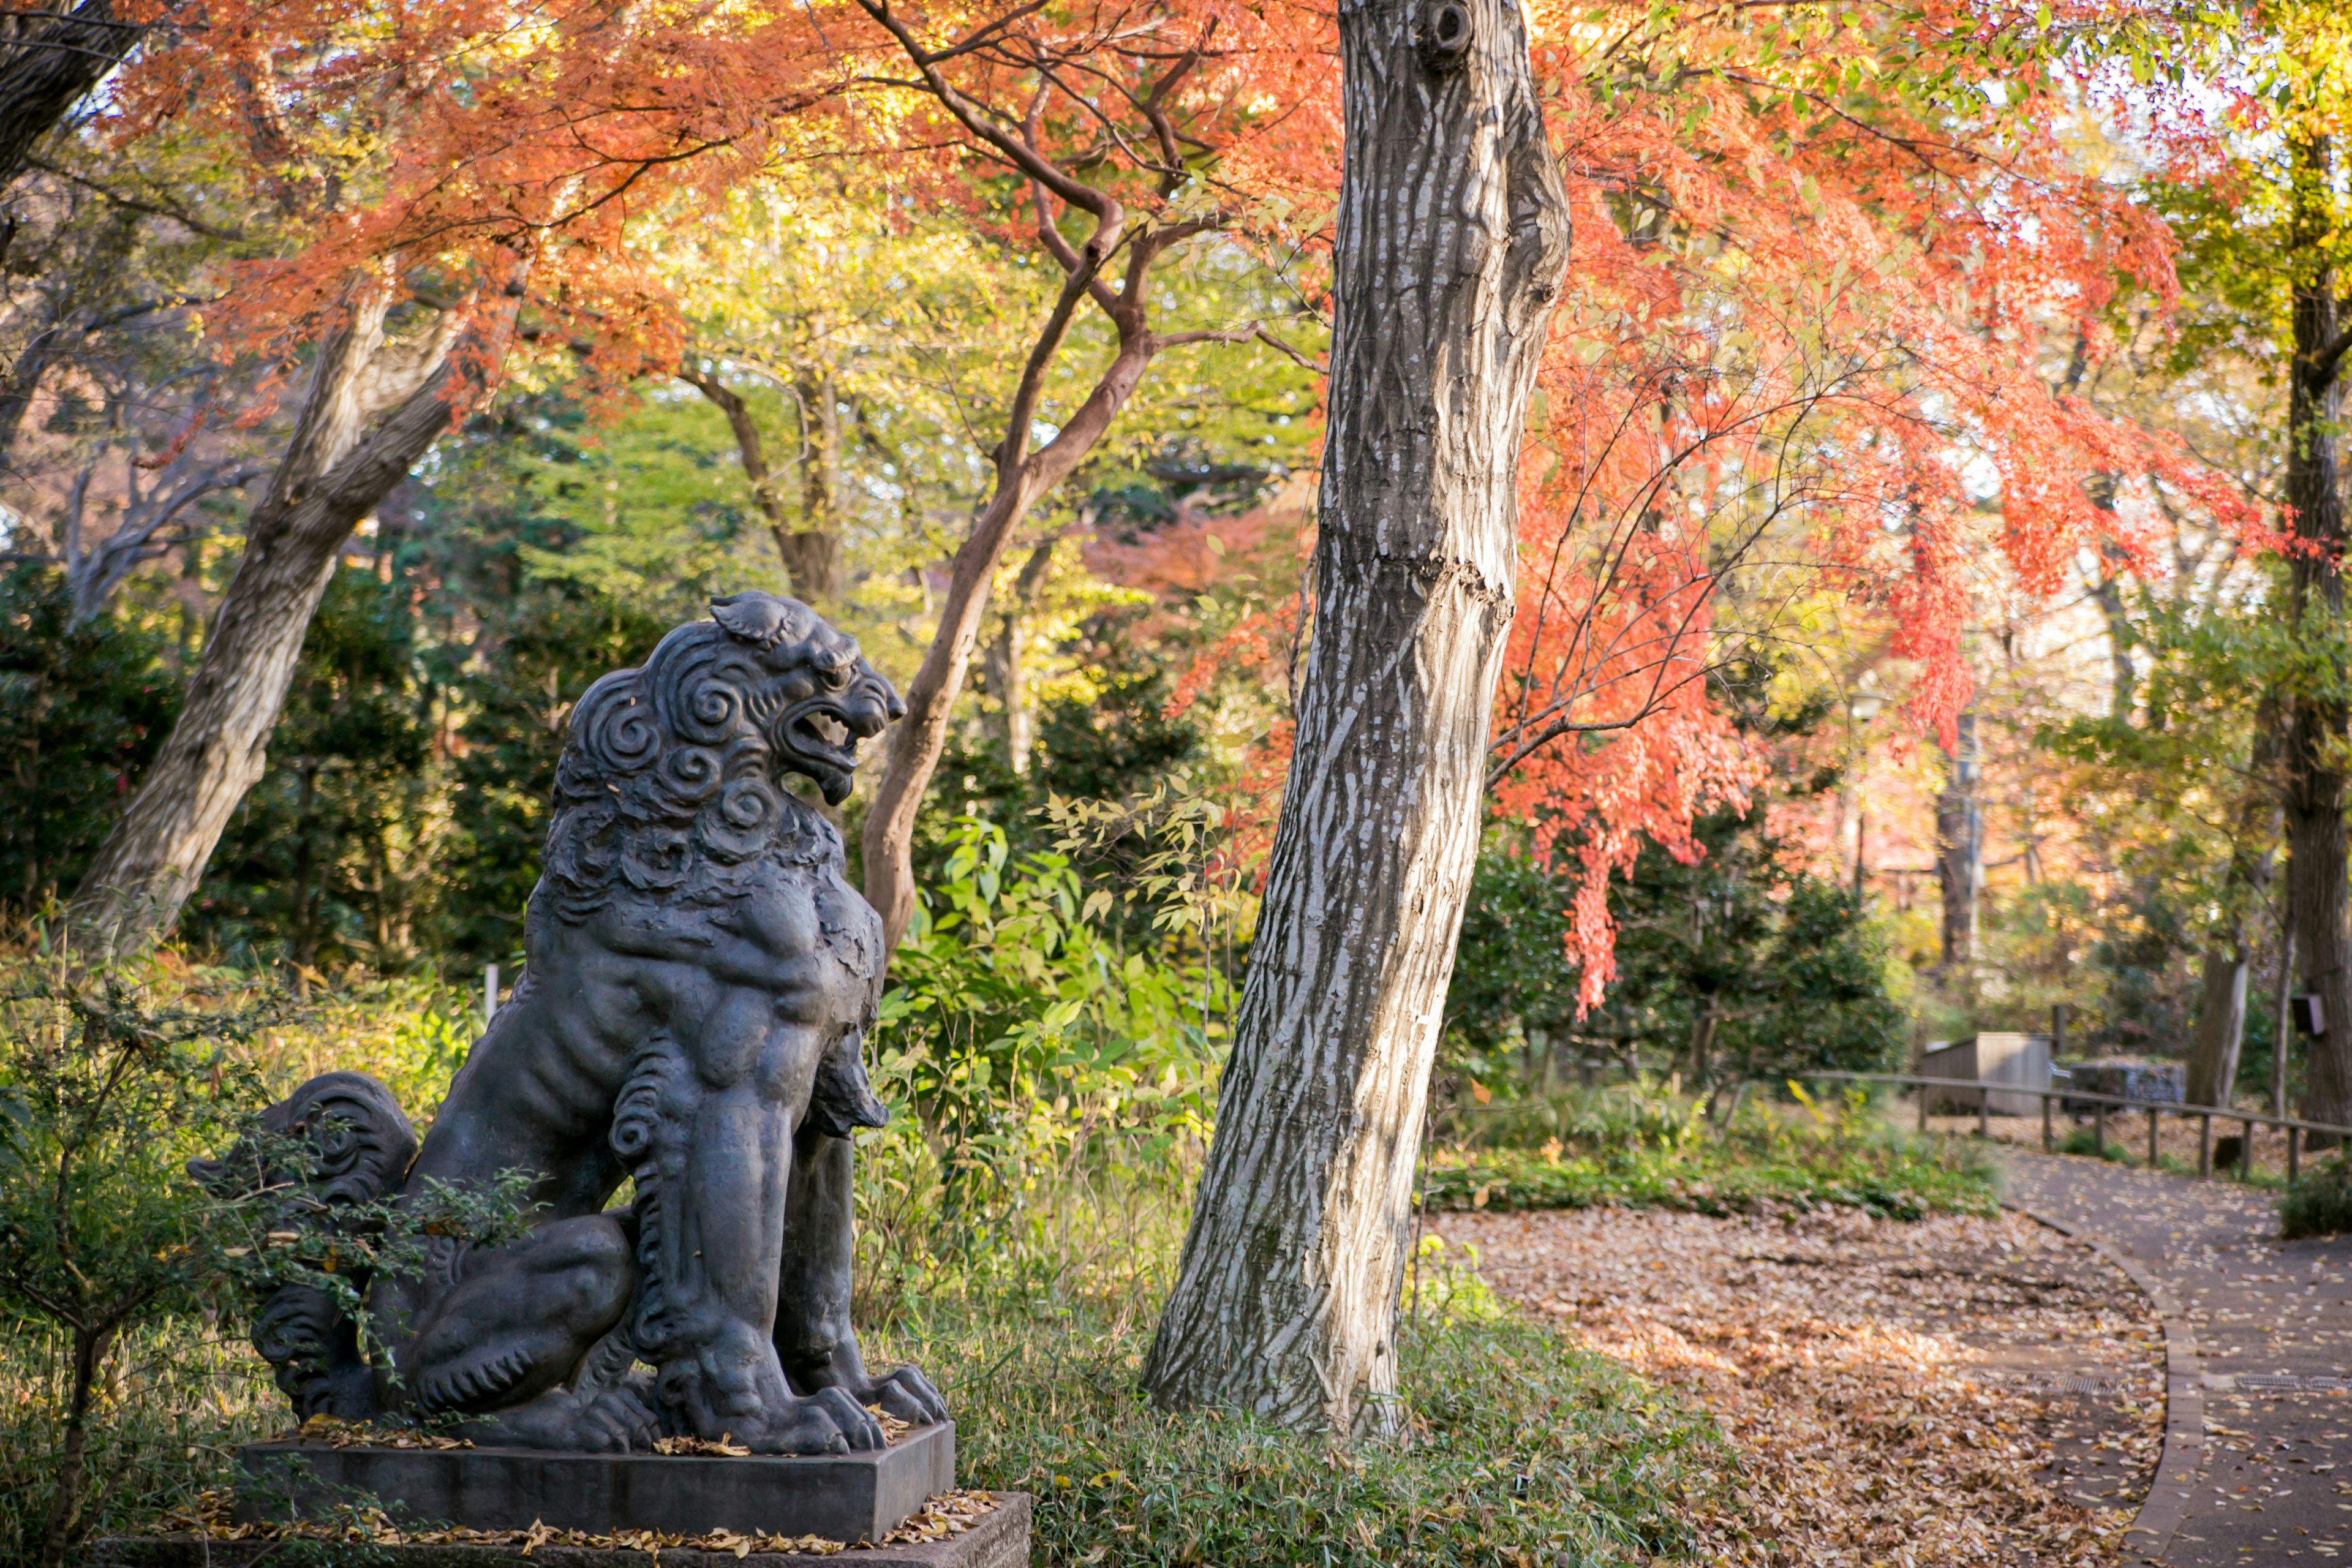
2221, 1026
371, 408
1452, 239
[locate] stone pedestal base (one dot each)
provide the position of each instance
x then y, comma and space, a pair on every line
841, 1497
998, 1539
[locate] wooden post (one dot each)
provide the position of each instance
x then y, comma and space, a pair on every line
1984, 1111
2049, 1143
2152, 1114
2293, 1153
2246, 1152
1923, 1106
2099, 1130
2205, 1145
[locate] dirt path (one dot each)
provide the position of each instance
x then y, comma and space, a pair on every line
1952, 1392
2272, 1324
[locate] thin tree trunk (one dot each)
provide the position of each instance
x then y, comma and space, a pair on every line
2229, 956
2317, 725
63, 1527
1022, 478
371, 409
1007, 680
810, 554
2221, 1026
1452, 237
1959, 851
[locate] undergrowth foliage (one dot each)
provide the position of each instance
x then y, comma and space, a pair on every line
108, 1085
1640, 1146
1516, 1448
1052, 1074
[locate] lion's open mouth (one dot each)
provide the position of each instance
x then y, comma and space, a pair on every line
823, 735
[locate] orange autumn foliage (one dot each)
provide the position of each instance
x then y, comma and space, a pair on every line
1829, 265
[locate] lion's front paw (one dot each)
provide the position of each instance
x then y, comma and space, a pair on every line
826, 1422
907, 1395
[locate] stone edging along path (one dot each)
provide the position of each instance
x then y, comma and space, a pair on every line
2256, 1331
2184, 1398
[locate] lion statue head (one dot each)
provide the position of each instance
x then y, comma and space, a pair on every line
673, 773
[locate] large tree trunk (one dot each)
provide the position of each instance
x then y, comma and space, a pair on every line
2317, 725
371, 409
1452, 237
1959, 851
50, 57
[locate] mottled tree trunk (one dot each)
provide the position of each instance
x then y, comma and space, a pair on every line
371, 410
1959, 851
50, 57
2316, 724
1452, 237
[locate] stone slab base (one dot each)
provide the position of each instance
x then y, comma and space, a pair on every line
998, 1539
841, 1497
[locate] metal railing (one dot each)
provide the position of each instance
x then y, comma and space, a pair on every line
2205, 1115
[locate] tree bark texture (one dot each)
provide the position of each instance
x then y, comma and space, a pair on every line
1452, 239
2229, 954
2221, 1026
2317, 722
1959, 850
49, 58
371, 408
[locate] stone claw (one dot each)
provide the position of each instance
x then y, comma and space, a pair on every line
907, 1395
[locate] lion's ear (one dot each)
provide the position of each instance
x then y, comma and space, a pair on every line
760, 619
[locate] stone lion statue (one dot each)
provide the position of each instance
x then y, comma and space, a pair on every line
700, 979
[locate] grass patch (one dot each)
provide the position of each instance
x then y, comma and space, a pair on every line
1514, 1448
1638, 1147
2085, 1140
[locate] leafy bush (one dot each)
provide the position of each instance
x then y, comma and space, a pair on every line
107, 1089
1036, 1058
1637, 1145
2318, 1201
82, 710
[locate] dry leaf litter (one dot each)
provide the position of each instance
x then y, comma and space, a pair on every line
1947, 1391
949, 1513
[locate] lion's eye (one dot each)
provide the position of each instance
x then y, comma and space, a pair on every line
837, 677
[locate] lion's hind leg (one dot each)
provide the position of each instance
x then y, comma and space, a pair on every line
521, 1319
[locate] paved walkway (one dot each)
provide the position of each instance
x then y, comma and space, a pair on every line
2258, 1464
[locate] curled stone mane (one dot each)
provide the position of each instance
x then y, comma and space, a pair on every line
667, 784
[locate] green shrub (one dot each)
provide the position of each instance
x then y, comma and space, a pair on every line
108, 1085
1637, 1145
2318, 1201
2085, 1140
